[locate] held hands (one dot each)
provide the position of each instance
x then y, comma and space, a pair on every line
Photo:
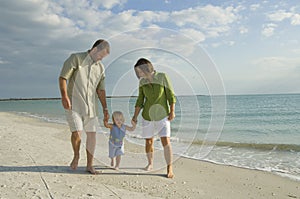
106, 115
133, 123
134, 120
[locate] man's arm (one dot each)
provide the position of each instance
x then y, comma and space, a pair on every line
102, 97
107, 125
63, 92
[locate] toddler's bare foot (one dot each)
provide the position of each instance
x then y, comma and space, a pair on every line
170, 173
149, 167
74, 163
92, 170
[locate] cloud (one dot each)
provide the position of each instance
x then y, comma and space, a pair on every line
268, 29
198, 36
254, 7
281, 15
295, 20
108, 4
37, 36
243, 30
212, 20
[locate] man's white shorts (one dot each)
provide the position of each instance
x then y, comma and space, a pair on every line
162, 128
79, 123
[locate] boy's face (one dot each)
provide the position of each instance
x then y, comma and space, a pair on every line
118, 121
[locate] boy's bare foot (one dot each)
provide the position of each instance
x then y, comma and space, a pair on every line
116, 168
112, 163
74, 163
92, 170
170, 173
149, 167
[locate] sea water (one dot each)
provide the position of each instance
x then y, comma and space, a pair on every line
250, 131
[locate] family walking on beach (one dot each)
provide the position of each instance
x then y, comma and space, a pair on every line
82, 81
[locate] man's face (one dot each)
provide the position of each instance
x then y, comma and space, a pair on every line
100, 54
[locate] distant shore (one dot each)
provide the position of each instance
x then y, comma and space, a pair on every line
52, 98
58, 98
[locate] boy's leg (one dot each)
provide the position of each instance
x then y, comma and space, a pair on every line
118, 160
112, 162
75, 140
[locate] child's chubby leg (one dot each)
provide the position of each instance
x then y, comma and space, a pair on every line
118, 160
112, 162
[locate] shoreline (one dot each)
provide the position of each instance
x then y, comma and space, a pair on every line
273, 171
28, 166
58, 98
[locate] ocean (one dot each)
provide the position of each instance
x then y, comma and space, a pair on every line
259, 132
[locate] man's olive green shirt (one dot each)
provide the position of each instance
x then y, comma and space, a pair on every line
156, 97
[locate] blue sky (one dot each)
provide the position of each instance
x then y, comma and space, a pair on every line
220, 47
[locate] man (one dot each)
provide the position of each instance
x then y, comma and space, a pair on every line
81, 82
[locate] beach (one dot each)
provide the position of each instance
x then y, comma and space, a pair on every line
35, 157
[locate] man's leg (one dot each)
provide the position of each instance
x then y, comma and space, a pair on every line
90, 149
75, 140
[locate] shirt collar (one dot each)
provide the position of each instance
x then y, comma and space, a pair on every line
90, 60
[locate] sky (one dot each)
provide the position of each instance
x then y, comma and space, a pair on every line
220, 47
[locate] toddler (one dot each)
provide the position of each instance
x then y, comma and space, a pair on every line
116, 137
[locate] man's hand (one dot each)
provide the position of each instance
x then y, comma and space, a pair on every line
66, 102
106, 115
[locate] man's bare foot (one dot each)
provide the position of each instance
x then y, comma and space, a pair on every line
116, 168
74, 163
92, 170
170, 172
149, 167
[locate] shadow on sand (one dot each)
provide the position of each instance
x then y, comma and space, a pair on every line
79, 170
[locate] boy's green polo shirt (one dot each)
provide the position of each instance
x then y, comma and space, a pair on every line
155, 97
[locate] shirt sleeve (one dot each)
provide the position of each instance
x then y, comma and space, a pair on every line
101, 85
169, 90
70, 65
140, 99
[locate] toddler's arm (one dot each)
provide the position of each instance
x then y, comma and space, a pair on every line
131, 128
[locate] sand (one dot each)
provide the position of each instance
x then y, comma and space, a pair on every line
35, 157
